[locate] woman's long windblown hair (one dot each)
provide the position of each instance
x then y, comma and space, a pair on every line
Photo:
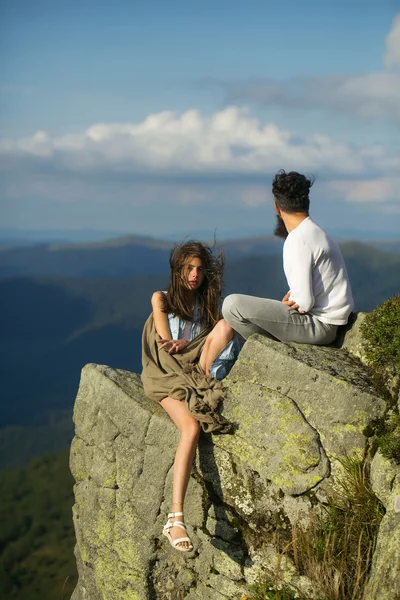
179, 299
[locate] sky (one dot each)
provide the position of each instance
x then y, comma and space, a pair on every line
171, 118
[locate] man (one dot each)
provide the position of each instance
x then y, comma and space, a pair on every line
319, 297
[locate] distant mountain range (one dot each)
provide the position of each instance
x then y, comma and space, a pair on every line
117, 258
131, 256
10, 236
64, 306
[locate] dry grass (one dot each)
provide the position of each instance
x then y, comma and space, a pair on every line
336, 549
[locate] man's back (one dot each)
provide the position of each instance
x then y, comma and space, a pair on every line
319, 297
316, 274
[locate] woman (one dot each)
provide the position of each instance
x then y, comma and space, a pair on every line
187, 348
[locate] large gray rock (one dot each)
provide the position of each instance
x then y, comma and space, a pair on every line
329, 388
353, 340
384, 581
297, 409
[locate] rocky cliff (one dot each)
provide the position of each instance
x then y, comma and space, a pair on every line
299, 410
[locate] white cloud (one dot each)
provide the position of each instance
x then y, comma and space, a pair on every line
191, 159
381, 190
392, 55
368, 96
230, 143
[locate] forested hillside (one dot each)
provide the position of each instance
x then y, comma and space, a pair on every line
52, 326
36, 531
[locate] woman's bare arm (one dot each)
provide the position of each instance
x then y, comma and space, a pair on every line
161, 324
160, 317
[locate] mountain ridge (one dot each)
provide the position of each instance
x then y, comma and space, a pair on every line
132, 255
52, 326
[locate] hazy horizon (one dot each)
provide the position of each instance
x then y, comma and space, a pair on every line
36, 236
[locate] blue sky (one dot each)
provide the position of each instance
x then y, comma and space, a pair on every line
169, 118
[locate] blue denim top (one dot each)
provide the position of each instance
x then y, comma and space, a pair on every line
224, 361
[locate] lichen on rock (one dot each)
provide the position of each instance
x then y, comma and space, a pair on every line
297, 409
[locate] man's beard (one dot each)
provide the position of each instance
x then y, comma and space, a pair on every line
280, 228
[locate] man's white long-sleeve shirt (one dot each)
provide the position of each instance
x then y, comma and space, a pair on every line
316, 274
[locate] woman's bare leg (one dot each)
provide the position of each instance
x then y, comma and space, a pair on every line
215, 342
190, 430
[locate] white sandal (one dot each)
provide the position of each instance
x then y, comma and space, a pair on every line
169, 524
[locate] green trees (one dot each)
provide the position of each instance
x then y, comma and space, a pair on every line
36, 531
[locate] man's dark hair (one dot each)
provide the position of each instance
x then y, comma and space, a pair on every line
291, 191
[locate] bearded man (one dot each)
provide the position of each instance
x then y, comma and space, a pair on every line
319, 297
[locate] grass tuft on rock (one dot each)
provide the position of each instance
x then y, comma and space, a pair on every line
335, 551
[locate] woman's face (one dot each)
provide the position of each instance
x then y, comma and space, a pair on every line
193, 272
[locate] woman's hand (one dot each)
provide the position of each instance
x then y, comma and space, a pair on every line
173, 346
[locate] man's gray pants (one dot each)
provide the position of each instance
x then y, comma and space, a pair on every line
248, 315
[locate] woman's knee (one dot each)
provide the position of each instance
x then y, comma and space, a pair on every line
191, 429
223, 329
